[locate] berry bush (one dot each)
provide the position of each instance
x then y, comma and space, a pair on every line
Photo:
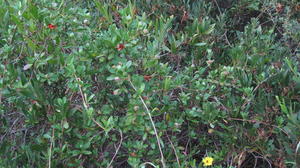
150, 83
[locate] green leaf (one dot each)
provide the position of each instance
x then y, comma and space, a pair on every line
34, 11
141, 89
200, 44
86, 152
90, 112
210, 29
128, 64
298, 147
110, 78
167, 83
27, 66
47, 136
66, 125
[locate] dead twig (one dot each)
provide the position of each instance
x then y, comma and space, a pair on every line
226, 38
11, 128
86, 106
177, 159
260, 157
121, 134
98, 124
153, 125
149, 163
50, 150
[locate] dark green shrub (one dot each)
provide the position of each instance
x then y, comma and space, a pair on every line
149, 83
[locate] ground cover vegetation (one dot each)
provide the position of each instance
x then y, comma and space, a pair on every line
150, 83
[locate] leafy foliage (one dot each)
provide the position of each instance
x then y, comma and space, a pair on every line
149, 83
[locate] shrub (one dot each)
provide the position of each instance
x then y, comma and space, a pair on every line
149, 83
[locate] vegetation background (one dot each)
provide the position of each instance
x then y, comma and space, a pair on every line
149, 83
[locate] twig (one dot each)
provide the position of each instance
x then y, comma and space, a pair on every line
260, 157
149, 163
86, 105
255, 89
223, 106
177, 159
61, 4
153, 125
296, 49
9, 129
215, 1
121, 134
51, 146
226, 38
255, 160
25, 134
0, 97
98, 124
260, 122
272, 19
186, 146
225, 34
84, 101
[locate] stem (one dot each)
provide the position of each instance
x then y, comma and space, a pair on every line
177, 159
86, 105
50, 152
153, 125
121, 134
260, 122
218, 6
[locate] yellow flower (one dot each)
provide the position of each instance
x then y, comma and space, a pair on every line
207, 161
